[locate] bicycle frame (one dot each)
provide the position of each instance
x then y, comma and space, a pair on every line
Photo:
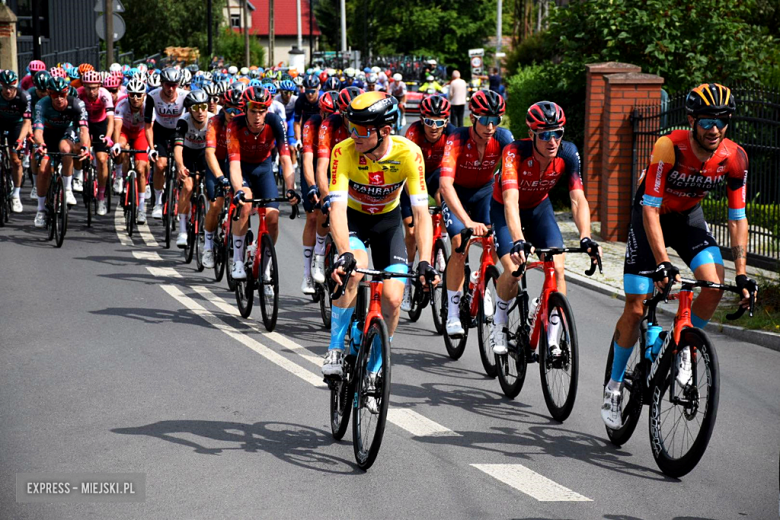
549, 286
261, 230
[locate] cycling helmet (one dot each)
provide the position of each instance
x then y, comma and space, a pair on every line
270, 87
259, 96
208, 76
72, 91
186, 77
136, 86
346, 96
91, 77
193, 68
254, 73
194, 98
232, 70
84, 67
8, 77
376, 70
397, 77
328, 103
58, 84
211, 89
71, 72
311, 81
349, 72
323, 77
115, 67
487, 103
332, 83
244, 71
375, 109
112, 81
237, 87
710, 99
288, 86
544, 115
367, 70
254, 82
143, 68
36, 66
371, 79
298, 80
234, 96
153, 78
41, 79
170, 75
435, 106
58, 72
223, 86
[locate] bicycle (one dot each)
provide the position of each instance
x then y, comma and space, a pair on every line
476, 304
369, 343
196, 235
56, 208
170, 198
651, 378
130, 200
323, 291
223, 241
421, 297
524, 335
6, 181
261, 256
90, 190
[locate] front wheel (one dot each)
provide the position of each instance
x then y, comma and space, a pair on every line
231, 283
219, 255
200, 233
682, 418
168, 212
340, 405
454, 345
485, 314
60, 214
130, 205
326, 289
269, 278
513, 366
245, 289
559, 368
440, 264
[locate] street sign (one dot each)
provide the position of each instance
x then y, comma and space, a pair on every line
476, 52
476, 62
476, 56
118, 7
119, 27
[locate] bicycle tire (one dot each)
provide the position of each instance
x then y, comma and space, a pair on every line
88, 188
440, 264
3, 198
633, 391
61, 214
326, 299
168, 211
269, 309
200, 233
366, 445
231, 283
219, 254
131, 205
340, 405
455, 346
244, 289
708, 375
418, 300
483, 324
51, 221
108, 194
513, 366
560, 402
189, 248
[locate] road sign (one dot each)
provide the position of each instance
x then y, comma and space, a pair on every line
119, 27
476, 52
476, 62
118, 7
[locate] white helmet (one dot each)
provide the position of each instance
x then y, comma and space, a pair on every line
115, 67
375, 69
244, 71
142, 67
397, 77
136, 86
428, 78
381, 77
233, 70
349, 72
361, 77
371, 79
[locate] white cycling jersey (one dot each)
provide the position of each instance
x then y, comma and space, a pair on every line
163, 113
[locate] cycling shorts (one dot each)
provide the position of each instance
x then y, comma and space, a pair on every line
686, 232
383, 233
137, 141
476, 203
431, 182
212, 190
259, 178
14, 131
95, 131
162, 137
52, 137
539, 227
194, 159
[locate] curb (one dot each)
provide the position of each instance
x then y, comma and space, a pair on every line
761, 338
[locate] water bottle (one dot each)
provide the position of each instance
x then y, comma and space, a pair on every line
532, 310
654, 341
473, 280
356, 337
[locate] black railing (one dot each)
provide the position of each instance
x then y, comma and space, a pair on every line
76, 56
755, 127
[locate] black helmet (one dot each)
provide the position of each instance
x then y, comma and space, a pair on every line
375, 109
58, 84
332, 83
234, 95
710, 99
41, 79
195, 97
170, 75
311, 81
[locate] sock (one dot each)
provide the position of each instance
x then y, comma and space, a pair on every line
307, 252
158, 198
620, 361
501, 309
319, 247
41, 203
697, 322
182, 223
238, 247
339, 322
209, 240
141, 202
16, 193
453, 298
101, 193
78, 174
66, 182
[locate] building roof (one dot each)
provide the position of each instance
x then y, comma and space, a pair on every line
284, 18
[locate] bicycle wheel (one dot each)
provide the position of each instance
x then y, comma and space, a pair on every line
231, 283
51, 221
326, 300
484, 322
419, 300
454, 346
60, 213
189, 249
269, 304
219, 254
245, 289
168, 212
440, 264
633, 390
368, 426
200, 233
513, 366
108, 191
131, 204
4, 193
89, 193
682, 420
560, 373
340, 406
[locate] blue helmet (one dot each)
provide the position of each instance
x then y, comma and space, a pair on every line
288, 85
270, 87
255, 83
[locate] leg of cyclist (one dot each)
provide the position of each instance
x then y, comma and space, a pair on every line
68, 146
212, 217
411, 247
101, 157
308, 239
185, 205
42, 185
506, 285
240, 228
142, 174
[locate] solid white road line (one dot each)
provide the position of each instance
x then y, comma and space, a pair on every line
416, 424
531, 483
146, 235
147, 255
164, 272
119, 227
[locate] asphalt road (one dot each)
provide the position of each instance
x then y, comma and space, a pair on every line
117, 357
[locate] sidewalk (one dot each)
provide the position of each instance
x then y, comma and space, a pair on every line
611, 282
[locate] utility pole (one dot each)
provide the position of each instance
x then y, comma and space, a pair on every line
311, 31
109, 18
245, 15
298, 20
271, 35
210, 22
36, 28
343, 28
498, 33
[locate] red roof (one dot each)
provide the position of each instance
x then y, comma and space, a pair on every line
284, 18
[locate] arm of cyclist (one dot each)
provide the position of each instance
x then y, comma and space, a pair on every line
117, 134
581, 212
512, 215
109, 137
339, 230
423, 236
651, 217
149, 132
738, 232
178, 150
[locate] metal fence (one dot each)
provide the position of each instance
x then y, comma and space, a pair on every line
76, 56
755, 127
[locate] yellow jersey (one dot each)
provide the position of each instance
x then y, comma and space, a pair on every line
374, 187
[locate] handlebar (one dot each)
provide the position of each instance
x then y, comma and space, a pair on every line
689, 284
373, 273
261, 202
465, 236
552, 251
131, 151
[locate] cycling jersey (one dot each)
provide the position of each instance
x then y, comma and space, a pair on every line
521, 171
27, 82
304, 109
398, 89
677, 180
289, 108
461, 157
34, 98
188, 135
132, 122
97, 110
16, 109
162, 112
48, 118
278, 109
310, 135
216, 136
433, 153
332, 132
374, 187
245, 146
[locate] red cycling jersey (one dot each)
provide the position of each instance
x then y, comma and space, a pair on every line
332, 132
677, 180
216, 136
310, 133
245, 146
433, 153
521, 171
461, 160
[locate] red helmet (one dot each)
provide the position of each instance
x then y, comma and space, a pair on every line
328, 103
544, 115
346, 96
113, 82
487, 103
36, 66
258, 95
435, 106
323, 77
91, 76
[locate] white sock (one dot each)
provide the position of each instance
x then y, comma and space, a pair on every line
78, 173
182, 223
209, 240
16, 193
319, 247
66, 182
158, 197
453, 304
307, 252
41, 203
141, 202
501, 308
238, 247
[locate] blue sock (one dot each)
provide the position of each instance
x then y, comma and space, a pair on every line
620, 361
339, 322
698, 322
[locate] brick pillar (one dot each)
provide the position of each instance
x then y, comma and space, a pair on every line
594, 107
8, 58
623, 92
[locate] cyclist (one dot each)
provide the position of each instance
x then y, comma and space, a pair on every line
162, 108
60, 122
189, 151
306, 105
371, 82
333, 130
15, 118
249, 142
213, 92
430, 133
34, 67
287, 96
684, 166
471, 155
36, 93
315, 232
431, 86
368, 173
521, 211
129, 134
398, 90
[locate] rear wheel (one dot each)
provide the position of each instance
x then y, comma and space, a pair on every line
454, 345
419, 300
633, 391
245, 289
231, 283
60, 213
168, 212
512, 367
560, 372
130, 205
440, 264
200, 233
340, 405
326, 298
485, 315
189, 249
268, 277
219, 254
5, 191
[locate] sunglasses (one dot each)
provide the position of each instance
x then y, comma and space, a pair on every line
57, 94
360, 130
135, 96
200, 107
9, 86
707, 124
233, 111
488, 120
435, 123
113, 90
214, 99
170, 85
263, 108
310, 91
549, 134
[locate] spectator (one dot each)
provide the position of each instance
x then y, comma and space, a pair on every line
457, 95
494, 81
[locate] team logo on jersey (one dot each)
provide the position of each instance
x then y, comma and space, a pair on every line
376, 178
362, 161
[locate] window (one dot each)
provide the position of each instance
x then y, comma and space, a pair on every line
235, 21
23, 13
